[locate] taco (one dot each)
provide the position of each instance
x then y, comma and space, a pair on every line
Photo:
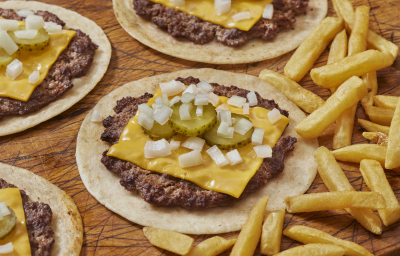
194, 39
53, 223
75, 72
296, 177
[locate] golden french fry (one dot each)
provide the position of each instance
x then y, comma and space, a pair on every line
211, 247
169, 240
333, 75
378, 137
338, 50
371, 82
312, 47
344, 128
382, 116
307, 235
303, 98
314, 249
375, 177
347, 95
335, 179
358, 152
384, 101
250, 234
272, 232
358, 36
372, 127
393, 148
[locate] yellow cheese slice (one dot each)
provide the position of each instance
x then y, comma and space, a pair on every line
229, 179
205, 10
19, 236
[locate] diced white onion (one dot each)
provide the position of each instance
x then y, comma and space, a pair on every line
236, 101
194, 143
8, 25
162, 114
187, 97
96, 116
154, 106
199, 90
184, 111
54, 29
49, 24
274, 116
213, 98
174, 100
14, 69
218, 157
243, 126
222, 6
199, 110
4, 211
144, 108
257, 137
201, 99
223, 129
190, 159
26, 34
234, 157
222, 107
229, 133
246, 109
160, 102
145, 121
34, 22
252, 97
241, 16
7, 248
159, 148
174, 144
191, 89
178, 2
7, 43
264, 151
205, 86
165, 99
34, 77
225, 116
25, 13
172, 88
268, 11
233, 121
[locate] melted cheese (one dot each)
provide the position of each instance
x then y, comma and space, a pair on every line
19, 236
205, 10
229, 179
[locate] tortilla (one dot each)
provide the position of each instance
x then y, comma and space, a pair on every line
214, 52
82, 85
299, 173
66, 222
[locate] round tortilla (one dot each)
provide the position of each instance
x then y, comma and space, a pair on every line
299, 173
66, 222
82, 85
214, 52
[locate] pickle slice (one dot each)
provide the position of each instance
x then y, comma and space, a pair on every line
7, 224
159, 131
6, 59
40, 42
195, 126
211, 137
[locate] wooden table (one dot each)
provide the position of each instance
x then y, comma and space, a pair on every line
49, 149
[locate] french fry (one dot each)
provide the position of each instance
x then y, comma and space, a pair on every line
307, 235
393, 148
384, 101
314, 249
250, 234
334, 200
335, 179
348, 94
211, 247
303, 98
375, 177
344, 128
169, 240
371, 82
333, 75
372, 127
382, 116
344, 9
377, 137
312, 47
272, 232
338, 50
358, 152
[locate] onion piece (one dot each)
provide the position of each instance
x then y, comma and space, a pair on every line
34, 22
174, 144
241, 16
236, 101
234, 157
154, 106
222, 6
222, 107
172, 88
7, 248
49, 24
199, 110
26, 34
54, 29
225, 116
25, 12
201, 99
159, 148
144, 108
96, 116
264, 151
4, 211
190, 159
159, 102
215, 153
187, 97
213, 98
8, 25
7, 43
165, 99
145, 121
229, 133
223, 129
205, 86
174, 100
246, 109
257, 137
199, 90
178, 2
194, 143
233, 121
243, 126
34, 77
14, 69
184, 111
162, 114
191, 89
252, 98
274, 116
268, 11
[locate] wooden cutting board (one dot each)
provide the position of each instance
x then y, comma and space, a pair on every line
49, 149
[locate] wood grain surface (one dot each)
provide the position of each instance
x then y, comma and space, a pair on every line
49, 149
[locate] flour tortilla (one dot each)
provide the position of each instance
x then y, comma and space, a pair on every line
214, 52
82, 85
299, 173
66, 222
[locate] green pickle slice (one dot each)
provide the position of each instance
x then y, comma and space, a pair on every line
159, 131
212, 138
6, 59
7, 224
38, 43
195, 126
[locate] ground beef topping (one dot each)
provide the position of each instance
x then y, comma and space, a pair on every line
180, 24
166, 190
38, 222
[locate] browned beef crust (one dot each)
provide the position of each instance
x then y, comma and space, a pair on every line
166, 190
73, 62
38, 222
180, 24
